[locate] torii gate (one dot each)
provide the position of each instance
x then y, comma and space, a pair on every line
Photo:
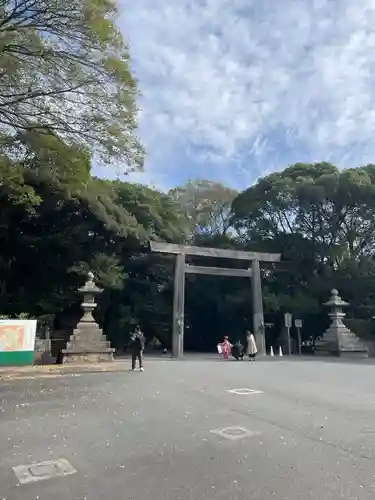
181, 268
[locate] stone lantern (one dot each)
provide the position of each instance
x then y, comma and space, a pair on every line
89, 291
88, 344
336, 306
338, 340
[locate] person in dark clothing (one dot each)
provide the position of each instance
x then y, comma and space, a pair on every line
137, 344
238, 351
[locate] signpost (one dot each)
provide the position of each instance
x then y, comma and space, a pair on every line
298, 325
288, 325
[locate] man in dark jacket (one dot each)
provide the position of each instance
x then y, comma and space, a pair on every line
137, 344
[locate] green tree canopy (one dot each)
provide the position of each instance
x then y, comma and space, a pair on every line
207, 205
333, 209
57, 222
321, 220
64, 69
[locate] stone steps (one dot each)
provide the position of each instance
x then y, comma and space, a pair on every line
78, 344
340, 340
86, 350
88, 338
87, 344
350, 342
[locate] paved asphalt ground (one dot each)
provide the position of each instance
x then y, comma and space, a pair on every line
148, 436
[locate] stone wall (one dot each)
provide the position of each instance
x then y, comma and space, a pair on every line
371, 348
42, 352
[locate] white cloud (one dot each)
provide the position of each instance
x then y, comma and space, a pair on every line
253, 84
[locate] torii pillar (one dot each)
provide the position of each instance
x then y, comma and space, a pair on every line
258, 316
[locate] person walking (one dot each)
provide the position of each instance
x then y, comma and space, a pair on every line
137, 345
251, 346
226, 347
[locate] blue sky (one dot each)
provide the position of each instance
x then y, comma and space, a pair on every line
234, 89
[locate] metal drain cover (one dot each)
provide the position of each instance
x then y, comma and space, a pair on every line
244, 391
43, 470
234, 432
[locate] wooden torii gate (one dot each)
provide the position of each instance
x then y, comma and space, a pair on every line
182, 268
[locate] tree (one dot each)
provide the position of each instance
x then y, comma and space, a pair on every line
148, 290
321, 220
332, 209
157, 213
58, 222
64, 69
207, 205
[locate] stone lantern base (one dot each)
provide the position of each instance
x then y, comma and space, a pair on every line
87, 345
340, 341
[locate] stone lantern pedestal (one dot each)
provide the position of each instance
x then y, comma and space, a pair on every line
338, 340
88, 344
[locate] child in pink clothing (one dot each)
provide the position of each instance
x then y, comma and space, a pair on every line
227, 347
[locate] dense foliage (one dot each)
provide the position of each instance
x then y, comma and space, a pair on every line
57, 222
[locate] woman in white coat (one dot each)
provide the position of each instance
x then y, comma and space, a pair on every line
251, 346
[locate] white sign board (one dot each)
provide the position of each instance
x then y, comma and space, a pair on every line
17, 335
288, 320
298, 323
